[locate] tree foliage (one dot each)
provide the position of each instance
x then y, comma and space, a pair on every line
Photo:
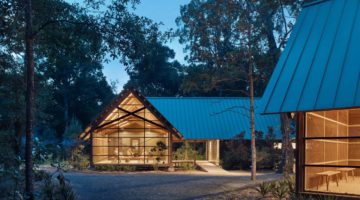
214, 33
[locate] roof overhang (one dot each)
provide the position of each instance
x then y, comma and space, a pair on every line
320, 67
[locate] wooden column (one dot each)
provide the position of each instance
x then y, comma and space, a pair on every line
300, 151
217, 152
195, 152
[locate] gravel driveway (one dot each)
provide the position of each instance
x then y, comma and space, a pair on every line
158, 185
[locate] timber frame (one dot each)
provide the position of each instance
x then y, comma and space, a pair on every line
88, 134
114, 104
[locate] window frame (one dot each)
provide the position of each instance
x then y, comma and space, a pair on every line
301, 165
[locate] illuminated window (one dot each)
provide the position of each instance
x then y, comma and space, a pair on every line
131, 134
332, 151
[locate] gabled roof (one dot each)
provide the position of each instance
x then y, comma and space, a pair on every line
320, 66
114, 105
199, 118
213, 117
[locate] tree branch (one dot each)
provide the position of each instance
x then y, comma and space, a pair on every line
50, 22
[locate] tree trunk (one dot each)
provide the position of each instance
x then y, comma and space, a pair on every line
18, 132
287, 153
252, 124
66, 114
29, 66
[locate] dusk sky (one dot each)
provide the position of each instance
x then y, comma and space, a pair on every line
165, 11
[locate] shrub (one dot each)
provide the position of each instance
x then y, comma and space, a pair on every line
11, 177
126, 168
236, 153
290, 183
73, 129
280, 190
78, 159
55, 186
40, 152
185, 152
264, 189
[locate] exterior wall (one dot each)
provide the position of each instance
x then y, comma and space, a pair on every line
131, 135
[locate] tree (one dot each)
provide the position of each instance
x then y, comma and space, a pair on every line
29, 65
217, 34
73, 69
209, 31
61, 40
12, 98
287, 150
152, 73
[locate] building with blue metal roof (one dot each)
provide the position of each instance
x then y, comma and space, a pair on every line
320, 66
199, 118
138, 130
318, 78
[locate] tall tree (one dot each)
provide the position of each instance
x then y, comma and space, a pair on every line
153, 73
211, 32
63, 31
29, 65
215, 33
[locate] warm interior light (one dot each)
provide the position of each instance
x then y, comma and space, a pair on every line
123, 124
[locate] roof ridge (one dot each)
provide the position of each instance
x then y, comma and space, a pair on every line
312, 2
203, 97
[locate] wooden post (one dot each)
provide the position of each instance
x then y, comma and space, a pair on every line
217, 152
186, 149
91, 149
300, 150
195, 152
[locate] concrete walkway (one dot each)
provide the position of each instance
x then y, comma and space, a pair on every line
211, 168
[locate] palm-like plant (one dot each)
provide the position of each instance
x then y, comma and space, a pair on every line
264, 188
280, 190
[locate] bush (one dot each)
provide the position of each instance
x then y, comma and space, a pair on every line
73, 129
186, 152
280, 190
236, 153
55, 186
11, 177
126, 168
285, 189
264, 189
79, 160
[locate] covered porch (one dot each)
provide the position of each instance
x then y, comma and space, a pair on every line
194, 151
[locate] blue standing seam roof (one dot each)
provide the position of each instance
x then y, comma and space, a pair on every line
320, 66
214, 117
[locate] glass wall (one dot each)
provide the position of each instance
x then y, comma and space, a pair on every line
131, 134
332, 151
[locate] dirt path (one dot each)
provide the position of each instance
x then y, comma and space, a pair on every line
158, 185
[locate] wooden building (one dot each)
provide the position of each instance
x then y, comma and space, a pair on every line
138, 130
318, 78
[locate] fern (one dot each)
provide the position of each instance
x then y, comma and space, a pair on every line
264, 188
